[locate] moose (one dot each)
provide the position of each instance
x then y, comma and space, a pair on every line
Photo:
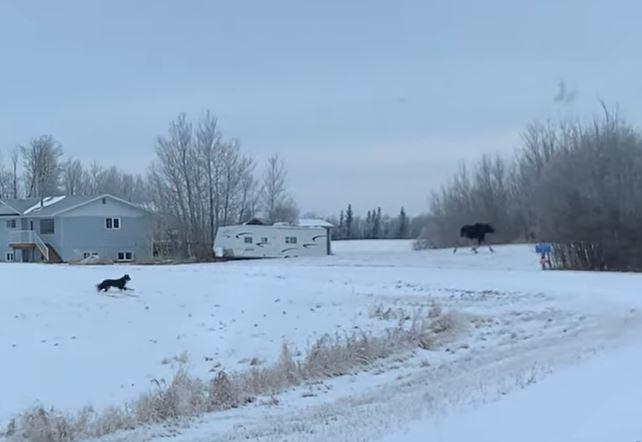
476, 232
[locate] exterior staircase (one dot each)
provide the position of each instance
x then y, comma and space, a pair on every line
28, 239
54, 257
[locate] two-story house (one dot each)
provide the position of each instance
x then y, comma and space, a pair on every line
71, 228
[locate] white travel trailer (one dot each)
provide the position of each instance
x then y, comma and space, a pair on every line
255, 239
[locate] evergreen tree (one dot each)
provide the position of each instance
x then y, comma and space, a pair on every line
403, 224
349, 221
385, 222
376, 223
368, 227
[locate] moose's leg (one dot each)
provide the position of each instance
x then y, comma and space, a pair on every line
491, 249
474, 248
455, 250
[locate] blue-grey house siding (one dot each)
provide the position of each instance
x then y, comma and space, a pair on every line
4, 236
77, 235
80, 227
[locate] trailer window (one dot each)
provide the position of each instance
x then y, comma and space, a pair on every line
248, 240
290, 239
264, 240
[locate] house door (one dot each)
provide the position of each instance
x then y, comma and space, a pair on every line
17, 255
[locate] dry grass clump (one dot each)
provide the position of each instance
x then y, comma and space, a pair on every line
186, 396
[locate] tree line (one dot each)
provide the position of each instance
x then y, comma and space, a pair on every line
39, 169
575, 184
198, 180
375, 225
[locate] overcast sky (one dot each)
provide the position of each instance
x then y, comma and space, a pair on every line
369, 102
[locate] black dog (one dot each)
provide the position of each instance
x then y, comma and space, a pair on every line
118, 283
477, 232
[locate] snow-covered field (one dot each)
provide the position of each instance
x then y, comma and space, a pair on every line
540, 356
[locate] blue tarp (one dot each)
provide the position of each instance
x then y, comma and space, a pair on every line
542, 248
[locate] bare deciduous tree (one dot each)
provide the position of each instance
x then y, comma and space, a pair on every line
72, 177
198, 182
275, 201
5, 180
14, 158
201, 181
41, 161
208, 141
574, 184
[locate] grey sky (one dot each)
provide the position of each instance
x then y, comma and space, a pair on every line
369, 102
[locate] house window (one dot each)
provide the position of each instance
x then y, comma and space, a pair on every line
11, 224
112, 223
248, 240
46, 226
104, 200
290, 239
10, 257
125, 256
86, 255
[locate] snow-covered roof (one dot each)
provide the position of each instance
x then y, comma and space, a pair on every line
256, 222
311, 222
54, 205
20, 205
45, 202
